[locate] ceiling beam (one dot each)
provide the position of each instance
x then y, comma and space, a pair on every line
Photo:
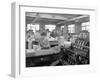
48, 16
80, 17
36, 18
73, 19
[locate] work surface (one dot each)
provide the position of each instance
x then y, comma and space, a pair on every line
31, 53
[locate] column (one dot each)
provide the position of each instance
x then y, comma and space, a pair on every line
42, 27
78, 27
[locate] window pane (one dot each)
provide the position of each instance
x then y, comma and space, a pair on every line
71, 28
85, 26
50, 27
33, 27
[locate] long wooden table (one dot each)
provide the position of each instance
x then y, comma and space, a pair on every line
42, 57
32, 53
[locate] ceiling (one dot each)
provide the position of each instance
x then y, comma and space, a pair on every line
52, 18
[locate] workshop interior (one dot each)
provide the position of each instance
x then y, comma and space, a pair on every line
55, 39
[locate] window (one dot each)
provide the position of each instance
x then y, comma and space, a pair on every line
85, 26
71, 28
50, 27
33, 27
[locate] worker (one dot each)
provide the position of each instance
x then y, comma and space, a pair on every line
44, 43
29, 39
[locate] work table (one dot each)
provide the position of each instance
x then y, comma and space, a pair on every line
32, 52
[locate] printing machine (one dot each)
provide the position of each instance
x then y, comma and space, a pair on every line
79, 51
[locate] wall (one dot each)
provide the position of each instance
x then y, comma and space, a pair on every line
5, 39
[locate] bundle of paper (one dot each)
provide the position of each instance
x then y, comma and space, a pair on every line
67, 44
